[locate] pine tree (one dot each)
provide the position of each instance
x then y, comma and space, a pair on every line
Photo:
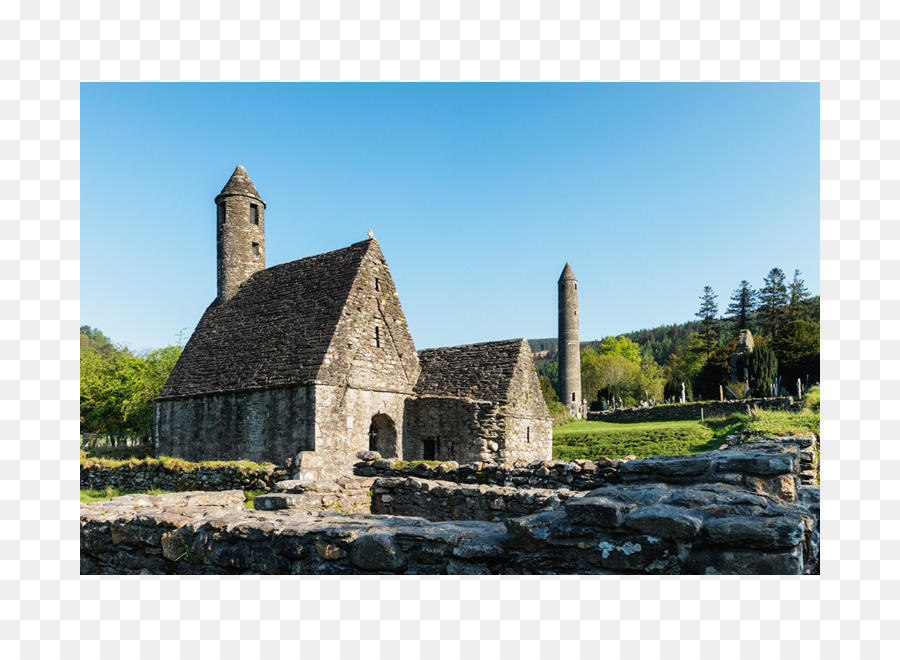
798, 295
772, 299
709, 328
743, 302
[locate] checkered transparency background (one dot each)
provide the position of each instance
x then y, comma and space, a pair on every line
48, 611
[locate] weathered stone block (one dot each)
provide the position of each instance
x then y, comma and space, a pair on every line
597, 511
736, 562
664, 521
755, 532
377, 552
762, 464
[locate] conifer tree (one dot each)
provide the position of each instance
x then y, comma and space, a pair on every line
743, 302
772, 299
709, 328
798, 295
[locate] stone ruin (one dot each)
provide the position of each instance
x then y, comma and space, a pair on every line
748, 508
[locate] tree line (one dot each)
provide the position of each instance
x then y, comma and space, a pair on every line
652, 364
118, 387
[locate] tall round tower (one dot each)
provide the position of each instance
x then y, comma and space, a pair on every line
569, 348
240, 234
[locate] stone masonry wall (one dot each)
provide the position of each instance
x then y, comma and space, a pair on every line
343, 418
462, 429
264, 426
444, 500
152, 475
687, 410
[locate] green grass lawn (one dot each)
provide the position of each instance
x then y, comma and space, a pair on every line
591, 440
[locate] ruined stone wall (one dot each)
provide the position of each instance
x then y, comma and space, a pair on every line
774, 466
635, 529
264, 426
153, 475
444, 500
688, 411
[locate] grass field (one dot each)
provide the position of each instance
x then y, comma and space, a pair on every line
591, 440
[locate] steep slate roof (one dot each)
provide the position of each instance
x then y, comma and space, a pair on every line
239, 184
477, 371
274, 331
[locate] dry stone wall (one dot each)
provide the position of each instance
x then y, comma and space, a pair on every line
773, 465
444, 500
646, 528
687, 411
153, 475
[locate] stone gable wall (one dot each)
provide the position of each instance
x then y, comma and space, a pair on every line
354, 357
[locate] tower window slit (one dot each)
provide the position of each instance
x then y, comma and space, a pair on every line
254, 248
377, 337
254, 214
377, 285
573, 396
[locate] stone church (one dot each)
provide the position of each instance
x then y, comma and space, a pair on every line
312, 361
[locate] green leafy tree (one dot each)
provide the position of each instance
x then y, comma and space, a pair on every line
798, 352
621, 346
743, 302
548, 391
772, 299
709, 328
763, 368
118, 388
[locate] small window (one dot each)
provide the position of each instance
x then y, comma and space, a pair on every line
254, 214
377, 285
377, 337
254, 248
573, 396
576, 286
527, 434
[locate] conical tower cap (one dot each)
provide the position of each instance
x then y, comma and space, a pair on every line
567, 273
239, 184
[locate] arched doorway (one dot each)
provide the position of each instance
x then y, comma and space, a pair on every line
383, 436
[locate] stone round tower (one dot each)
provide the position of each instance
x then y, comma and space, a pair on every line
240, 234
569, 348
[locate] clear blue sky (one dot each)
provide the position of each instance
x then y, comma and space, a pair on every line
477, 193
